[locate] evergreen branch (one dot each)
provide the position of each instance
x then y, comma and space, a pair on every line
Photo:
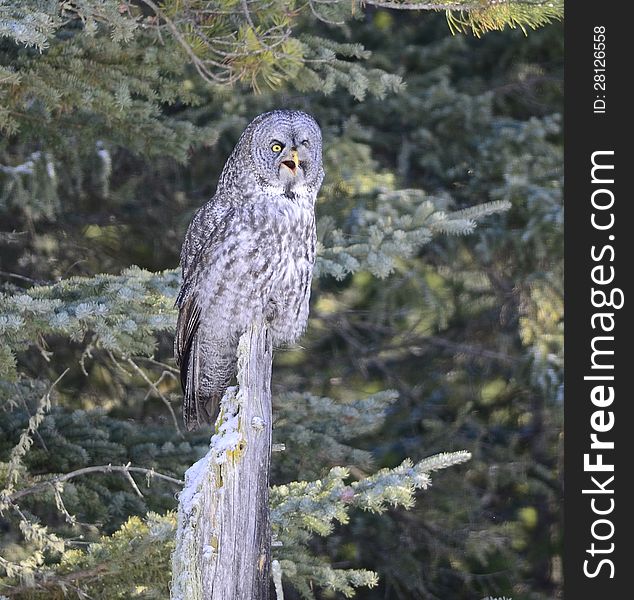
59, 582
482, 210
26, 26
498, 14
21, 278
199, 65
138, 548
401, 223
59, 501
442, 461
313, 505
37, 535
486, 15
158, 392
417, 5
305, 572
167, 368
465, 6
396, 486
125, 469
25, 442
320, 17
130, 479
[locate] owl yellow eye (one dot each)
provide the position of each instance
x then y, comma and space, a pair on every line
276, 147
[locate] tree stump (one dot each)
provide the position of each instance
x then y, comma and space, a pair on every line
223, 538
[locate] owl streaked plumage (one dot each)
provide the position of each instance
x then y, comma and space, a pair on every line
248, 254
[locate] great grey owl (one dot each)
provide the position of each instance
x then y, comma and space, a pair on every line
248, 254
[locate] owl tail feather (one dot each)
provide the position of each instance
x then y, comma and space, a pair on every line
206, 372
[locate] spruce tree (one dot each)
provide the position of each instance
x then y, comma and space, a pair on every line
112, 114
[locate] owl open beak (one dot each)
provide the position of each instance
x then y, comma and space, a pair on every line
293, 163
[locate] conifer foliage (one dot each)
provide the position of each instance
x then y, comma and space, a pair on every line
427, 347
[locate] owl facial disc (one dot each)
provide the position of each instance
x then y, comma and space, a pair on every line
280, 151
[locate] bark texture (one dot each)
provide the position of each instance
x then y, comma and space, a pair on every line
224, 535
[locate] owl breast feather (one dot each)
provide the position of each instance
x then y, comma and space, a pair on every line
262, 268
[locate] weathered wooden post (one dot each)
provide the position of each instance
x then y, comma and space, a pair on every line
224, 536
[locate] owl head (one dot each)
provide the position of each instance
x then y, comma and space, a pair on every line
281, 149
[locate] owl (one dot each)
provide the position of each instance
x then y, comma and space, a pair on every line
248, 255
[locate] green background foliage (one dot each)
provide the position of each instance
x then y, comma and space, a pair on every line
115, 120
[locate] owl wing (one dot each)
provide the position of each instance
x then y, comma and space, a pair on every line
197, 237
205, 233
